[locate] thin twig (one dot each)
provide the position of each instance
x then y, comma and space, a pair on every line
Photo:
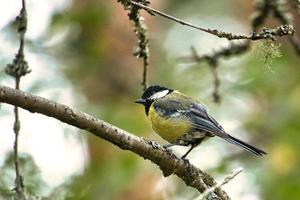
216, 93
296, 4
140, 29
17, 69
259, 16
226, 180
262, 10
18, 181
17, 124
213, 64
145, 70
265, 7
285, 17
233, 49
167, 162
265, 34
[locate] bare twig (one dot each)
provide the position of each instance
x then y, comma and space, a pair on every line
259, 16
265, 34
263, 9
168, 162
285, 16
19, 180
296, 4
17, 69
217, 82
233, 49
280, 11
213, 63
226, 180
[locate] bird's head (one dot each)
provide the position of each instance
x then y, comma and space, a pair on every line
151, 94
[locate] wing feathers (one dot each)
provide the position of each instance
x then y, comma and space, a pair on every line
256, 151
203, 121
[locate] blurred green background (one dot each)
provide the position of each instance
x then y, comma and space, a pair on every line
87, 46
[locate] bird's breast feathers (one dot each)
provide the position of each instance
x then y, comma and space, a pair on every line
169, 128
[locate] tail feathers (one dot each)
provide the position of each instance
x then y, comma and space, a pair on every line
256, 151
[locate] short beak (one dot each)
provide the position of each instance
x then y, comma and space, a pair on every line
141, 101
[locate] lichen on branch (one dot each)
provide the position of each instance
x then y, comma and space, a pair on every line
18, 68
140, 29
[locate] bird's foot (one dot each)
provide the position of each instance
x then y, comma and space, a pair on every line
185, 155
167, 148
185, 160
154, 144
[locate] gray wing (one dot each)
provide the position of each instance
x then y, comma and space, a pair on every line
191, 109
203, 121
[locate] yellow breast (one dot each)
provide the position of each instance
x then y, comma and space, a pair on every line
169, 129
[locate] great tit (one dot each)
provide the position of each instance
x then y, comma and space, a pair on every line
181, 120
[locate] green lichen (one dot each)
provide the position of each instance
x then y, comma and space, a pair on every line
269, 50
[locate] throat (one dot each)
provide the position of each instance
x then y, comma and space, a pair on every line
147, 108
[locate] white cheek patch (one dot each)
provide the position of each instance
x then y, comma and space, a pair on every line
159, 94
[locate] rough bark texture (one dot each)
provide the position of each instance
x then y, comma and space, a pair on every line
168, 163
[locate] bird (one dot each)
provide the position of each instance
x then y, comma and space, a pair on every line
182, 120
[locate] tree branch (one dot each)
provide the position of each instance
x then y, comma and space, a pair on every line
264, 34
140, 29
17, 124
226, 180
17, 69
296, 5
168, 162
279, 11
285, 17
235, 48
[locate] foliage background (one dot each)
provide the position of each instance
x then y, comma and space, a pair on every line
87, 48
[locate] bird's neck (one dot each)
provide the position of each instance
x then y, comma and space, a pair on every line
147, 107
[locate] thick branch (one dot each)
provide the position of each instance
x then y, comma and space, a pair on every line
168, 163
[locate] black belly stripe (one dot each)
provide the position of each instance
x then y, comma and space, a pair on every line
193, 137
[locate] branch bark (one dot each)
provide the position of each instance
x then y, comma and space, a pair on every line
140, 29
167, 162
17, 69
226, 180
264, 34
